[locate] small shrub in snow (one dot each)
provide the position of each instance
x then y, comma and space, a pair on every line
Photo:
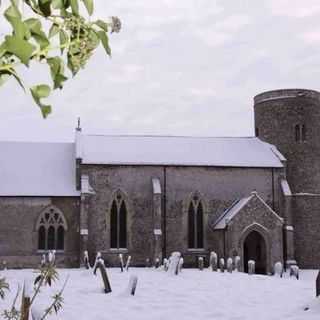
200, 263
128, 263
229, 265
278, 269
165, 264
294, 272
213, 261
237, 263
221, 264
121, 262
251, 267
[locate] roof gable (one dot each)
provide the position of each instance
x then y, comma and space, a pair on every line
236, 207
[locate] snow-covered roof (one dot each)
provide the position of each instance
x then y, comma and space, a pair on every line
37, 169
181, 151
236, 207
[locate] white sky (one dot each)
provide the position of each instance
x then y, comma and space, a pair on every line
181, 67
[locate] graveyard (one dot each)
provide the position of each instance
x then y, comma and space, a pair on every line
161, 293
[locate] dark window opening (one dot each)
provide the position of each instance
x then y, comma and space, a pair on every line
51, 229
257, 132
195, 224
300, 133
118, 223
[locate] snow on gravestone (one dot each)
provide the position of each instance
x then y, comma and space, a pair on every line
132, 285
128, 263
86, 259
294, 272
237, 263
100, 265
221, 264
278, 269
174, 263
165, 264
229, 265
180, 264
214, 261
200, 263
251, 267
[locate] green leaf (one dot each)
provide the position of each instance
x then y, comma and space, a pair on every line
35, 28
53, 30
56, 69
57, 4
45, 7
20, 48
103, 25
15, 75
63, 39
105, 41
89, 6
75, 7
13, 15
3, 49
39, 92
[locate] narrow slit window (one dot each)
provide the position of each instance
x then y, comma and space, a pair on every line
195, 224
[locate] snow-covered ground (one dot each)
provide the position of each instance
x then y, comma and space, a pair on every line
192, 295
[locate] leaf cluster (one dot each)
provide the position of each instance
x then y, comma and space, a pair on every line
68, 43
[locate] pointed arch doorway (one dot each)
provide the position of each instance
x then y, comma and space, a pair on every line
254, 248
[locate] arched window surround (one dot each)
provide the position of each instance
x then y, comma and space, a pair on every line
117, 221
51, 227
195, 209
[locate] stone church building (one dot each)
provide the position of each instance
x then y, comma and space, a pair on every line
147, 196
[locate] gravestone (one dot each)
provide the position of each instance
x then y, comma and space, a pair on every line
133, 285
213, 261
157, 263
200, 263
86, 260
100, 265
229, 265
165, 264
121, 261
221, 265
237, 263
128, 263
174, 263
278, 269
251, 267
180, 264
294, 272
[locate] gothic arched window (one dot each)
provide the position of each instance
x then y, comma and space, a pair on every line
195, 223
51, 227
118, 223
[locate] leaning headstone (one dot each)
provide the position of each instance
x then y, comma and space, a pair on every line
128, 263
294, 272
174, 263
213, 261
200, 263
229, 265
318, 285
278, 269
100, 265
86, 260
237, 263
180, 264
221, 264
98, 258
132, 284
165, 264
251, 267
157, 263
121, 261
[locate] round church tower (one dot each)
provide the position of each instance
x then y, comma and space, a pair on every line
290, 120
